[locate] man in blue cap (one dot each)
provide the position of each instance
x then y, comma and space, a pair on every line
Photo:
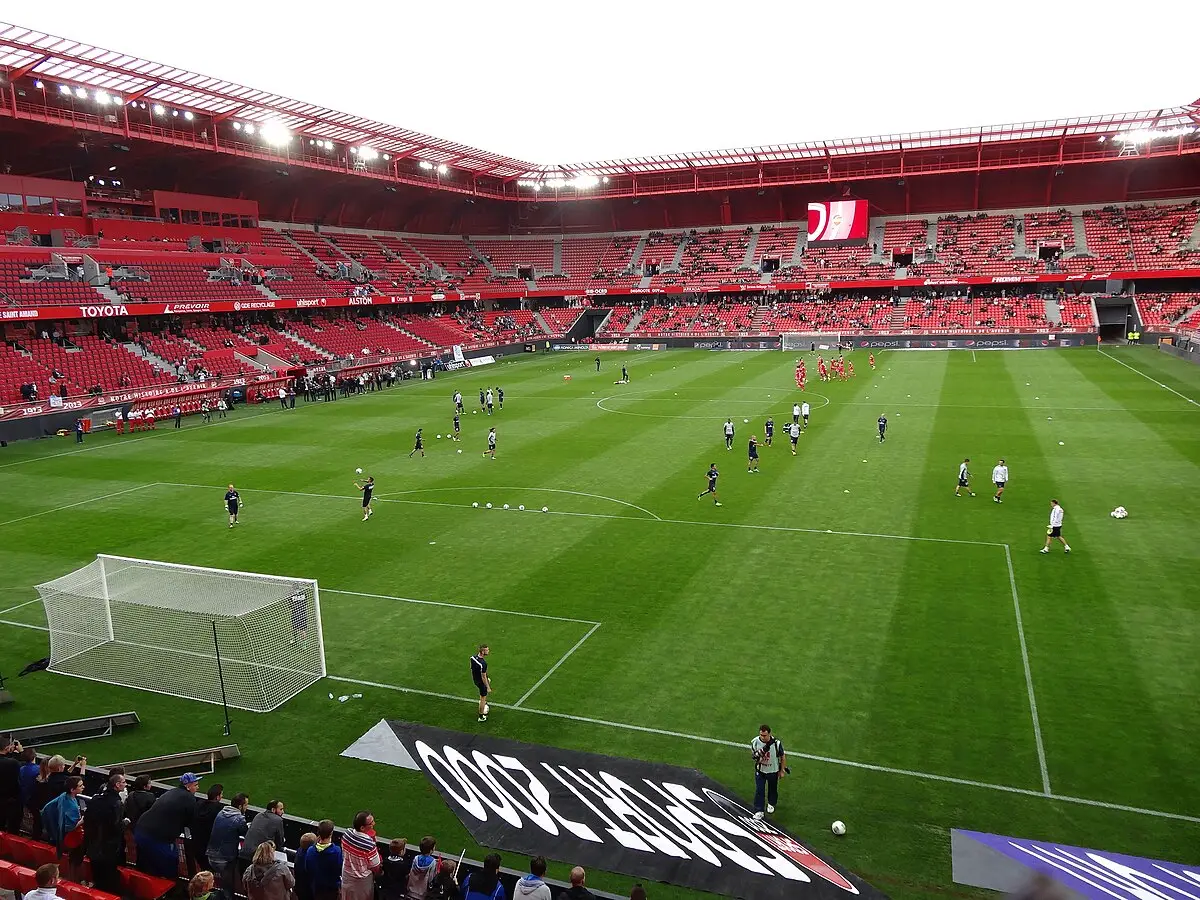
160, 826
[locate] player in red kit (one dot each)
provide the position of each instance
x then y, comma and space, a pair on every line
822, 373
871, 360
850, 368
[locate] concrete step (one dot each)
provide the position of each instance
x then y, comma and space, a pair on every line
634, 322
153, 358
266, 291
1053, 311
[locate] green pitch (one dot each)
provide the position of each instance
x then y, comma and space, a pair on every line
844, 596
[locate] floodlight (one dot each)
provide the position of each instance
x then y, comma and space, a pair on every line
188, 115
249, 128
368, 153
64, 89
116, 184
275, 133
81, 93
586, 181
537, 187
175, 113
102, 98
38, 84
112, 168
100, 182
159, 109
329, 145
605, 179
386, 157
442, 170
426, 165
237, 126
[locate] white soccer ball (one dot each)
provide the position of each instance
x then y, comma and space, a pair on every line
474, 412
460, 451
506, 506
545, 509
489, 506
1119, 513
521, 508
439, 437
487, 708
839, 828
473, 505
745, 421
358, 471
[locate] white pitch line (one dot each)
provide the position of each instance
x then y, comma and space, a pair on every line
1033, 710
554, 668
583, 515
507, 612
742, 745
1148, 378
4, 612
973, 359
46, 512
539, 489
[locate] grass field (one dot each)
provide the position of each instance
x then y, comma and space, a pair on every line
926, 667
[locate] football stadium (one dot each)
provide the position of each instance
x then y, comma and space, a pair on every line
803, 520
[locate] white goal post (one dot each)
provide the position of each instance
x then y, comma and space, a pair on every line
251, 640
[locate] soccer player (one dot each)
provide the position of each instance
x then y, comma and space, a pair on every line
206, 411
368, 490
624, 375
795, 413
490, 401
299, 603
850, 368
491, 450
963, 478
222, 408
500, 396
794, 434
799, 373
1054, 529
882, 428
871, 360
457, 428
418, 444
804, 411
597, 364
728, 429
822, 372
999, 479
769, 425
712, 476
233, 500
458, 404
482, 405
752, 450
479, 674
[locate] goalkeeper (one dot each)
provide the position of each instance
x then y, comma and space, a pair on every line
233, 502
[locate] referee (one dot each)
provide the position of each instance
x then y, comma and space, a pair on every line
770, 764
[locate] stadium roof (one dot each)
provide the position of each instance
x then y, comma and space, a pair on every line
27, 52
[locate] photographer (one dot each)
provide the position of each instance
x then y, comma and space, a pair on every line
770, 764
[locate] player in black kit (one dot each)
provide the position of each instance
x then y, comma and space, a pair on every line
457, 428
368, 489
712, 476
882, 429
418, 445
483, 684
232, 501
769, 425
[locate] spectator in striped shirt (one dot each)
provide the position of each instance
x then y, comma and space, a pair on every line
360, 859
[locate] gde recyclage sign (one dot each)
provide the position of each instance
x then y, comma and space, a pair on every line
643, 819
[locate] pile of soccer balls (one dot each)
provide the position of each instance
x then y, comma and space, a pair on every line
1119, 513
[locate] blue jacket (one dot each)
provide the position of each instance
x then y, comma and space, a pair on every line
59, 817
482, 886
229, 827
323, 865
28, 780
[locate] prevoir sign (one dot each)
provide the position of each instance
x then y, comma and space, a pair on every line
642, 819
838, 220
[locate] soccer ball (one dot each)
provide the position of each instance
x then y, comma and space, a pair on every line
474, 412
745, 421
521, 508
545, 509
475, 506
439, 437
506, 506
489, 506
1119, 513
460, 451
487, 708
839, 828
358, 471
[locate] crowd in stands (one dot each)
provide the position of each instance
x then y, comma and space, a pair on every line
224, 849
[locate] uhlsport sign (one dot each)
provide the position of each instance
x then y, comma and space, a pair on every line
643, 819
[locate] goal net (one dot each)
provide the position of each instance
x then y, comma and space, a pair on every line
181, 630
796, 342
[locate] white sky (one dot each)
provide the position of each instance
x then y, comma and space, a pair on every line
577, 81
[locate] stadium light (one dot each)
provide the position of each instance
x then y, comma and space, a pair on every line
386, 157
112, 168
81, 93
188, 115
275, 134
426, 165
442, 169
64, 89
237, 126
249, 128
1137, 138
38, 84
159, 109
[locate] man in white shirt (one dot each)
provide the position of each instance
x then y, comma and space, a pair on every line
728, 434
999, 479
1054, 529
804, 411
794, 434
795, 412
46, 879
964, 478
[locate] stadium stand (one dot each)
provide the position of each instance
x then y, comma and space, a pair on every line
558, 320
617, 321
1159, 310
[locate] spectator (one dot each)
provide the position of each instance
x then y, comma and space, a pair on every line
533, 886
444, 886
140, 799
28, 777
62, 820
206, 815
423, 869
46, 879
104, 834
268, 878
485, 884
10, 786
158, 829
394, 880
266, 826
638, 893
228, 829
300, 867
51, 779
577, 890
323, 863
360, 858
201, 886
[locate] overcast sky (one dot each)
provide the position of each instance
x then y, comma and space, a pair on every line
579, 81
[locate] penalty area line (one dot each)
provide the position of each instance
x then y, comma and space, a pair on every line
554, 668
1148, 378
506, 612
742, 745
46, 512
